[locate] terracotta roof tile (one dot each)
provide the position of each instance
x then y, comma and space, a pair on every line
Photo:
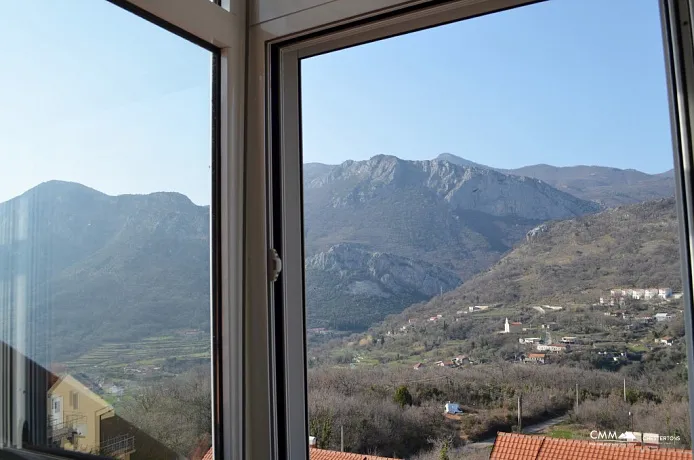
321, 454
524, 447
209, 455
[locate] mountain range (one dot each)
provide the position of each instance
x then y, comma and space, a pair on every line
102, 268
576, 261
459, 219
380, 235
600, 184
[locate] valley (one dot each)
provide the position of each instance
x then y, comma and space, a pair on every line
413, 270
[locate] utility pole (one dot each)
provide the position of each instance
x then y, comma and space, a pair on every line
625, 389
576, 410
342, 439
520, 413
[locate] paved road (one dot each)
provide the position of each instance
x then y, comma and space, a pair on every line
538, 427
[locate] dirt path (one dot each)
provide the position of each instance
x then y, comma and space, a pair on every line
532, 429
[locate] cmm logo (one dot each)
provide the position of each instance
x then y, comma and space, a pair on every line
604, 435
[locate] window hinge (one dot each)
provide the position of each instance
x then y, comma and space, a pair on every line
275, 265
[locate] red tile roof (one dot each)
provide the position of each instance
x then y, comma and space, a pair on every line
524, 447
321, 454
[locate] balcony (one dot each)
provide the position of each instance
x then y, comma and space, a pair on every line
118, 446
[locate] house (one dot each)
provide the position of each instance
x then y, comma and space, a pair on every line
618, 314
322, 454
418, 366
553, 347
530, 340
535, 358
513, 446
663, 317
665, 293
452, 408
433, 318
512, 327
568, 340
651, 293
461, 359
445, 363
667, 341
76, 417
645, 319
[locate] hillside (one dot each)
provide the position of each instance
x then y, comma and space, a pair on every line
104, 268
370, 284
578, 260
459, 218
607, 186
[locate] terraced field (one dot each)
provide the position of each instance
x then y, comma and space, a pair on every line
152, 351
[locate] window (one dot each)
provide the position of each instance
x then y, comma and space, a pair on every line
74, 398
105, 241
490, 231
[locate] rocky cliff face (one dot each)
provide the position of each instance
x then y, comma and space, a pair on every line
464, 188
348, 285
382, 274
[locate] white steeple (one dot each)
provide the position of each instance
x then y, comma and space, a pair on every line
507, 327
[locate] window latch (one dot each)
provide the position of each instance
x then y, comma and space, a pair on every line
275, 265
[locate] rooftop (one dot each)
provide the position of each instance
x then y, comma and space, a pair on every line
511, 446
321, 454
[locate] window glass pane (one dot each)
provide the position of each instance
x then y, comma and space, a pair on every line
105, 140
489, 217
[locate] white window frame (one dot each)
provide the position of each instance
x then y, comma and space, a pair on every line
221, 28
283, 163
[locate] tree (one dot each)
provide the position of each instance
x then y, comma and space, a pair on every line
443, 454
402, 396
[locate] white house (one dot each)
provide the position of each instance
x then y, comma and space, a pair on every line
663, 317
535, 358
638, 294
664, 293
530, 340
649, 294
568, 340
554, 347
667, 341
452, 408
512, 327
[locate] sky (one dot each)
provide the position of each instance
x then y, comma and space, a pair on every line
93, 94
564, 82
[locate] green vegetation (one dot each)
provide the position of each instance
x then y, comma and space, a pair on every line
172, 354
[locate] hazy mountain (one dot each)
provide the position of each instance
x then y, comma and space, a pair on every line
371, 284
312, 170
607, 186
460, 161
105, 268
101, 268
578, 260
459, 218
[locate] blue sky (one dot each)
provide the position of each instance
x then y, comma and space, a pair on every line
564, 82
92, 94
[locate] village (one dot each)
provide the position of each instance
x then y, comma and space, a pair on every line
636, 310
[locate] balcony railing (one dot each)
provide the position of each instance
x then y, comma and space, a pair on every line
118, 445
67, 429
